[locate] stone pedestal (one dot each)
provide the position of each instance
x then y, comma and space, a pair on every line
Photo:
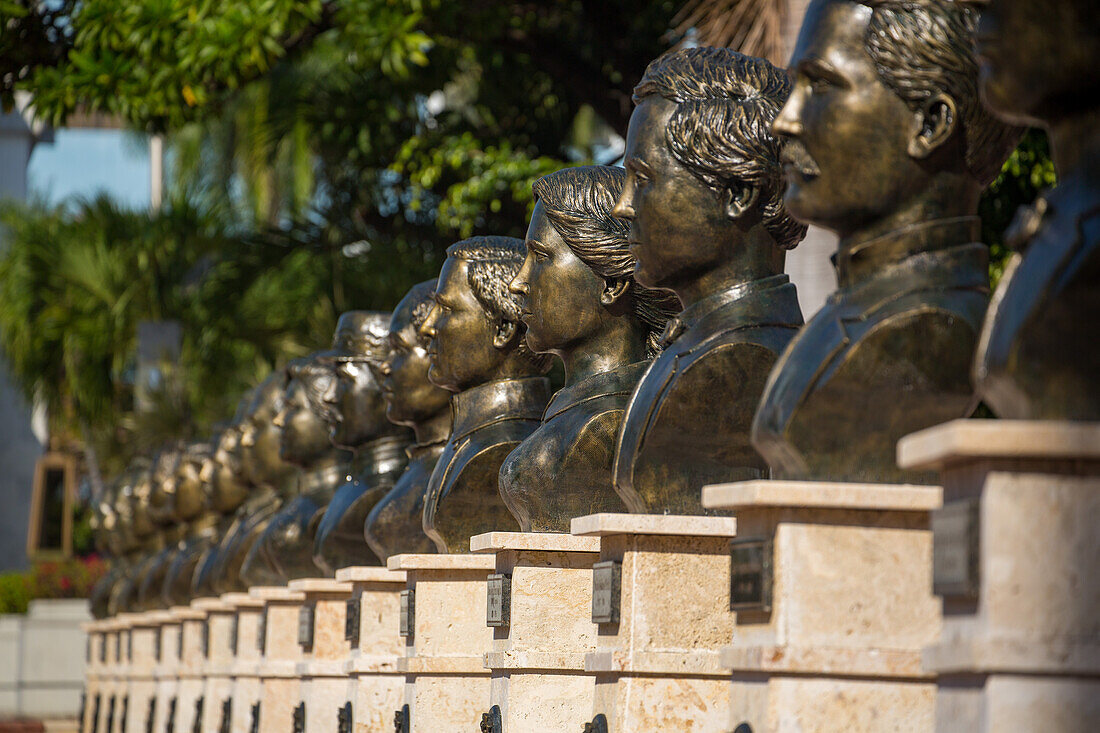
278, 666
660, 597
831, 583
217, 690
123, 670
94, 663
1017, 564
538, 606
107, 717
142, 687
446, 639
190, 702
375, 686
244, 672
322, 623
166, 668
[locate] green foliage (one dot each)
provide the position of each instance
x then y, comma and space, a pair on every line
1028, 172
15, 592
69, 578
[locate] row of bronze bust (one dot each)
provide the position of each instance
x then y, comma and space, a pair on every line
660, 288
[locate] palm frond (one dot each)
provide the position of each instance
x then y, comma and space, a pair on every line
753, 27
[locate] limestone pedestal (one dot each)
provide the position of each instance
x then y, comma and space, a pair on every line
278, 666
217, 690
166, 668
446, 639
538, 605
660, 597
244, 672
1017, 564
190, 702
93, 670
142, 687
124, 671
107, 713
375, 687
325, 651
832, 588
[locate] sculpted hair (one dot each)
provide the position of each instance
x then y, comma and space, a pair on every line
370, 342
922, 48
419, 301
721, 127
492, 263
578, 203
317, 377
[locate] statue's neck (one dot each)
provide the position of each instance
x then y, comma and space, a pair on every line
380, 455
620, 342
435, 429
326, 472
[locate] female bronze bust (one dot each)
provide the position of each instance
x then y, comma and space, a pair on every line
581, 304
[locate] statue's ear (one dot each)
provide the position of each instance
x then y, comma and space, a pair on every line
506, 333
739, 199
613, 291
933, 125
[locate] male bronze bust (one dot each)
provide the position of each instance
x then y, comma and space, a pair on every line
360, 426
192, 505
888, 146
477, 351
581, 304
395, 524
154, 501
703, 196
1041, 65
274, 481
285, 549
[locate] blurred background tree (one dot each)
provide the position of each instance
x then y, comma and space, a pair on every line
321, 156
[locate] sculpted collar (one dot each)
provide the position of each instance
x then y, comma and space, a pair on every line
864, 259
379, 456
700, 309
328, 475
497, 401
619, 381
421, 450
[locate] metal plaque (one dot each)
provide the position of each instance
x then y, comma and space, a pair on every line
351, 622
196, 723
129, 646
254, 722
151, 715
306, 615
125, 713
158, 642
498, 600
261, 632
205, 639
300, 718
598, 724
170, 724
226, 725
401, 723
956, 549
234, 628
491, 721
606, 588
408, 612
344, 721
751, 574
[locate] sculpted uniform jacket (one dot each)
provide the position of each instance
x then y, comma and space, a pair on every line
249, 522
396, 523
490, 420
888, 354
563, 469
687, 423
1039, 356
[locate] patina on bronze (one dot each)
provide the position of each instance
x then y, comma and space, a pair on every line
477, 350
888, 146
1036, 359
256, 455
192, 504
115, 538
396, 523
378, 445
703, 196
580, 303
159, 505
285, 549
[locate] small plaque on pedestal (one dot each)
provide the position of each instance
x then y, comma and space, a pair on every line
491, 721
305, 626
351, 622
233, 632
401, 723
300, 718
606, 582
261, 632
498, 592
344, 721
751, 575
955, 550
407, 613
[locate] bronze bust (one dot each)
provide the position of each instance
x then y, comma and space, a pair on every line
192, 504
360, 426
396, 523
1035, 359
703, 196
285, 549
888, 146
229, 490
155, 502
477, 351
255, 456
580, 303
